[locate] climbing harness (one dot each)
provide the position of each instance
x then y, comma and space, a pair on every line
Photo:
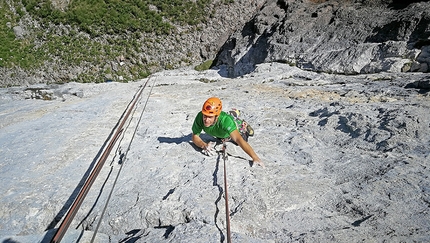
227, 210
61, 231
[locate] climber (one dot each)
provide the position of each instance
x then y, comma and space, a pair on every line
217, 123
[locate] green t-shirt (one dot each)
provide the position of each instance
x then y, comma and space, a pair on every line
221, 129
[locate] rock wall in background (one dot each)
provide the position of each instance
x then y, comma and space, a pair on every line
347, 37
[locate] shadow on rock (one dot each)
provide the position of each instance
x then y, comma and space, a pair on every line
178, 140
185, 139
422, 85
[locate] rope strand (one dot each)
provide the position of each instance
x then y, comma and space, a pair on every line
61, 231
227, 210
124, 158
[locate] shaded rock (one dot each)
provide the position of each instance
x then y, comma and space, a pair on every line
423, 84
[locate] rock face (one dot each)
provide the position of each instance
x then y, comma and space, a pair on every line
347, 159
348, 37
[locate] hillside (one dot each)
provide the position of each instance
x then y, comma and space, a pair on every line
56, 42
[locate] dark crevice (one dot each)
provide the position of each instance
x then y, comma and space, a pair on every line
170, 192
401, 4
358, 222
169, 229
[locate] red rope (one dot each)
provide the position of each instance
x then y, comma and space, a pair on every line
227, 210
92, 177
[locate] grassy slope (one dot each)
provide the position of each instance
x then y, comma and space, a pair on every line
89, 33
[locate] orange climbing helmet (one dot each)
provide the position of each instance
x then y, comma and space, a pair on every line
212, 107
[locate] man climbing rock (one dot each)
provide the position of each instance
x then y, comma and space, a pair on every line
217, 123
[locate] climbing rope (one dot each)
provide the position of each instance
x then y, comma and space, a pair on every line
227, 210
61, 231
122, 164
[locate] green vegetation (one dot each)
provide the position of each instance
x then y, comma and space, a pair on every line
204, 66
120, 16
14, 52
92, 33
206, 80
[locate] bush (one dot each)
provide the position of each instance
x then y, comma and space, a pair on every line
204, 66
